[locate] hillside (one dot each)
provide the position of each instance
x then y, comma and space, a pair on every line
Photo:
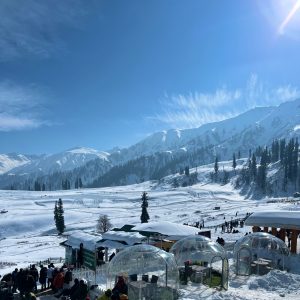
160, 154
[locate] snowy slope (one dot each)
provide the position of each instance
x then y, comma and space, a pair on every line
211, 133
11, 161
27, 232
63, 161
256, 127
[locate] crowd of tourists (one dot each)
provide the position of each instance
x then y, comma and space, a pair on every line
54, 280
25, 281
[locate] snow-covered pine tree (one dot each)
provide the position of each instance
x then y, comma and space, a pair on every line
144, 216
234, 162
59, 216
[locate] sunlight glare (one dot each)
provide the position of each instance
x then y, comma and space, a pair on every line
289, 17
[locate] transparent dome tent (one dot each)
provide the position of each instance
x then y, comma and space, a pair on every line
258, 253
149, 272
201, 260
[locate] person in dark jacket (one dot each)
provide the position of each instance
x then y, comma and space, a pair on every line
14, 280
120, 288
30, 283
21, 277
81, 292
35, 274
43, 277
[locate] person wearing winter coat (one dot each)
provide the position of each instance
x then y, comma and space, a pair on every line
120, 288
14, 280
50, 275
58, 281
43, 277
35, 274
81, 292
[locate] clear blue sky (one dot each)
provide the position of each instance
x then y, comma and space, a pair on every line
108, 73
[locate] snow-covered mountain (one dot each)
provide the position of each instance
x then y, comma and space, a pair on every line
64, 161
52, 168
167, 150
12, 160
215, 133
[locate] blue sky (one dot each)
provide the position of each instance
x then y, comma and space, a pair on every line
108, 73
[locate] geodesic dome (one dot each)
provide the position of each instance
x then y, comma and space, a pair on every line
200, 254
258, 253
148, 272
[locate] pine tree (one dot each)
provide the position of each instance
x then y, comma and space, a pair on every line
239, 154
76, 183
187, 171
262, 170
282, 150
234, 162
59, 216
216, 167
225, 177
56, 215
253, 170
295, 160
80, 185
144, 216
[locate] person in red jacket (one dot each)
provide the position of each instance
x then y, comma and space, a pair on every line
58, 281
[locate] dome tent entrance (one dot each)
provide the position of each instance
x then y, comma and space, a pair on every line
201, 260
148, 271
258, 253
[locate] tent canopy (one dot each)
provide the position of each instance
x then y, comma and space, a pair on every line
171, 230
130, 238
89, 241
277, 219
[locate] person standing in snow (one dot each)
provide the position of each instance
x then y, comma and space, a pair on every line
58, 281
43, 277
50, 275
14, 280
35, 274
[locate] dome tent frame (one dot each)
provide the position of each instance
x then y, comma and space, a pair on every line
149, 272
258, 253
201, 250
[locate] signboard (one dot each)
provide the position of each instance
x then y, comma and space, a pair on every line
89, 259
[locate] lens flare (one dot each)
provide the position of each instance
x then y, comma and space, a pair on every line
289, 17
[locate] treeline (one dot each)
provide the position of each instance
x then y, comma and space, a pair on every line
153, 167
281, 151
65, 185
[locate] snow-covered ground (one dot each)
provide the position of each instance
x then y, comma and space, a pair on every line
27, 232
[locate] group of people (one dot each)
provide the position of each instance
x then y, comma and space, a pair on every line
26, 280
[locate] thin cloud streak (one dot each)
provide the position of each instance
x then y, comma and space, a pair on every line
21, 107
34, 27
195, 109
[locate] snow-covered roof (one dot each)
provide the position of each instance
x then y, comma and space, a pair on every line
277, 219
112, 245
172, 230
130, 238
89, 241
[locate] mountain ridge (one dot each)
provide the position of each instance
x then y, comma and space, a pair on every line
255, 127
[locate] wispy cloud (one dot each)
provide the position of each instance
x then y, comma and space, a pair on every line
194, 109
34, 27
21, 107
